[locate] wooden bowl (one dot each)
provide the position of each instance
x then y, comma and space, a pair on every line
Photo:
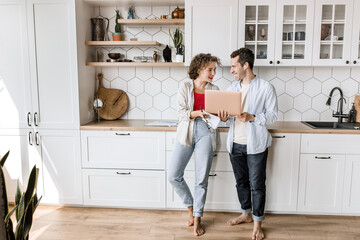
114, 55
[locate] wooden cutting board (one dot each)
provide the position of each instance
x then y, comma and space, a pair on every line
115, 101
357, 108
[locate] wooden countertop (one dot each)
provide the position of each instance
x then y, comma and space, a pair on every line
139, 125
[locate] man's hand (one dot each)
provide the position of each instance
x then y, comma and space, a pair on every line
245, 117
224, 115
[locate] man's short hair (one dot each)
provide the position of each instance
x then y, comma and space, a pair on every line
245, 55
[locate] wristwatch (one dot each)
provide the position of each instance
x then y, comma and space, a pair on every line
254, 118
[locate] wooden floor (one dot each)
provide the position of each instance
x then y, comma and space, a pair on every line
68, 223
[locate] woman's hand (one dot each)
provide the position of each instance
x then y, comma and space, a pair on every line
198, 113
224, 115
245, 117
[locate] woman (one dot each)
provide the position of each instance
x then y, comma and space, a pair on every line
194, 134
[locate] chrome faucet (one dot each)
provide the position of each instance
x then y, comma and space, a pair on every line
339, 110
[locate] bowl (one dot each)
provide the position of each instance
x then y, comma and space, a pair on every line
114, 55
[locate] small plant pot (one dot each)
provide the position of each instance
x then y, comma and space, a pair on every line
179, 58
117, 36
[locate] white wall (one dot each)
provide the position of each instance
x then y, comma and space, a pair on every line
302, 91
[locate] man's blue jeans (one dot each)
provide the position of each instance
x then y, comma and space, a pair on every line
250, 175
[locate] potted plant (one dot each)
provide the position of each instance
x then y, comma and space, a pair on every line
177, 40
117, 35
25, 205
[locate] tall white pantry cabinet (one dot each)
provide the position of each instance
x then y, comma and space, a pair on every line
39, 97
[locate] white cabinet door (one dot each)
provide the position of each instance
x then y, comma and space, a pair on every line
60, 170
15, 95
351, 199
320, 183
221, 194
332, 32
282, 172
18, 142
53, 58
210, 27
131, 150
257, 29
124, 188
294, 32
355, 43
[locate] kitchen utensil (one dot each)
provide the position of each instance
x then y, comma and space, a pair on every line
115, 101
178, 13
114, 55
357, 107
98, 29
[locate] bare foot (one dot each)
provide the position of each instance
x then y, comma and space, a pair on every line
243, 218
198, 229
258, 233
190, 221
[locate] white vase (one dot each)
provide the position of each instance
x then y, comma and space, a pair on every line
179, 58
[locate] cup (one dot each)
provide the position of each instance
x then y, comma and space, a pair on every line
163, 16
285, 34
300, 35
290, 36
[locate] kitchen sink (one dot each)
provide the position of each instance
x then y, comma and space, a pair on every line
331, 125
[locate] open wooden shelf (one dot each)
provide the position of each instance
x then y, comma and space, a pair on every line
135, 64
122, 43
152, 21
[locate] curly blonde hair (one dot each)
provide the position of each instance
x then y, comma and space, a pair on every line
200, 62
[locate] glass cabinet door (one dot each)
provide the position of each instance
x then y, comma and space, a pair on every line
294, 32
332, 39
257, 29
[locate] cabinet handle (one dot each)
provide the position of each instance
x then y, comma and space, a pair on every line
123, 134
278, 136
271, 62
212, 175
347, 62
30, 139
214, 155
354, 62
322, 157
29, 119
37, 138
35, 119
278, 62
123, 173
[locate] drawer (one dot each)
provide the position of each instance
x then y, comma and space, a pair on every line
124, 188
221, 162
221, 194
221, 141
129, 150
330, 143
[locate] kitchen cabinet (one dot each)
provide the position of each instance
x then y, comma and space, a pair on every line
335, 43
351, 198
282, 172
17, 141
211, 27
123, 169
328, 167
257, 29
57, 155
40, 94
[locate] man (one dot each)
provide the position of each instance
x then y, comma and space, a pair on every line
248, 138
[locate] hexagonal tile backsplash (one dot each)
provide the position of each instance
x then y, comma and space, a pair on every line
301, 91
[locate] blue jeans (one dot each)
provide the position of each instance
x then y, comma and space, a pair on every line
250, 175
203, 159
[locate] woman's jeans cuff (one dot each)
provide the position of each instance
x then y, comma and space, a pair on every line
246, 211
198, 214
258, 219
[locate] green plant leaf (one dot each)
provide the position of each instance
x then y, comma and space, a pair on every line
8, 216
3, 158
4, 207
21, 208
31, 185
28, 218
